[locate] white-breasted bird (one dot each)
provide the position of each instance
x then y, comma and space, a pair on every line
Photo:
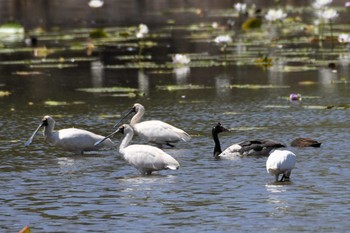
257, 147
281, 162
154, 131
144, 158
71, 139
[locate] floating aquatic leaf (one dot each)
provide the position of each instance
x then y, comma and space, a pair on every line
306, 83
109, 116
136, 65
11, 32
252, 23
60, 103
4, 93
134, 57
55, 103
182, 87
339, 106
27, 73
12, 25
276, 106
247, 128
315, 107
298, 68
231, 113
130, 95
108, 89
98, 33
257, 86
53, 66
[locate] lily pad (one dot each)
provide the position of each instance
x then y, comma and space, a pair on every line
182, 87
247, 128
307, 83
276, 106
4, 93
98, 33
107, 89
11, 32
257, 86
27, 73
61, 103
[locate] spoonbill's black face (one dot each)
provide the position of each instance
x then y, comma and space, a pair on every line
219, 128
44, 122
134, 109
121, 129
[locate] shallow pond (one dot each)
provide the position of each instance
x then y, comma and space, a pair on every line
55, 191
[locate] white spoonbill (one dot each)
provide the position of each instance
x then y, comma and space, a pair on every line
72, 139
245, 148
154, 131
281, 162
144, 158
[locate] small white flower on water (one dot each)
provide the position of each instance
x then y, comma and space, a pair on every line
328, 14
96, 3
344, 38
241, 7
223, 39
181, 59
318, 4
142, 31
215, 25
347, 4
274, 15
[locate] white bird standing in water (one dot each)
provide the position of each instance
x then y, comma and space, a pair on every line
71, 139
144, 158
154, 131
256, 147
281, 162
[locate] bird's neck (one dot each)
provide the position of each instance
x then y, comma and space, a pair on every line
125, 142
217, 147
48, 131
136, 118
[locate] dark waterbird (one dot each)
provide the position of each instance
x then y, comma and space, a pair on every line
256, 147
305, 142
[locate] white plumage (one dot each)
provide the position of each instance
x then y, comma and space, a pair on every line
144, 158
71, 139
155, 131
281, 162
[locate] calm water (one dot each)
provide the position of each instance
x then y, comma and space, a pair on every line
54, 191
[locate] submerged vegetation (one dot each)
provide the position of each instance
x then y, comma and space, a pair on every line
279, 39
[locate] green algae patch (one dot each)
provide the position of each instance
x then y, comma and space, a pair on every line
108, 89
182, 87
257, 86
61, 103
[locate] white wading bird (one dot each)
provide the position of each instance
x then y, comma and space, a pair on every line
281, 162
245, 148
154, 131
72, 139
144, 158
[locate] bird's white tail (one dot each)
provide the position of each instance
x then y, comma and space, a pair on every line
172, 167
